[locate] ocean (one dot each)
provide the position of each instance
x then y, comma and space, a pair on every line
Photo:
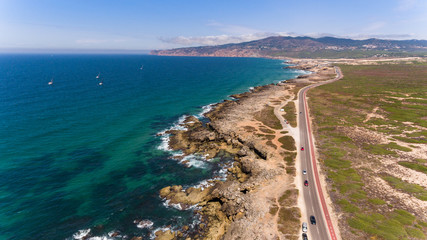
79, 156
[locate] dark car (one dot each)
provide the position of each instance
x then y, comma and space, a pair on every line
313, 220
306, 183
304, 236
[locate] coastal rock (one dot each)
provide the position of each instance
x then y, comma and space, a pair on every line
165, 235
216, 220
189, 197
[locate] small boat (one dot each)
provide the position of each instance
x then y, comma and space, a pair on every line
98, 75
142, 66
100, 83
51, 82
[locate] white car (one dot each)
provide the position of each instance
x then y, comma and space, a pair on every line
304, 172
304, 227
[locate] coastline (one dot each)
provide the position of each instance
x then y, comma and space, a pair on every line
259, 187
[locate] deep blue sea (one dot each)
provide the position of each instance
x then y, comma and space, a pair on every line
77, 155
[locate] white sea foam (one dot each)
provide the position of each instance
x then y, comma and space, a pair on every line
164, 145
115, 234
167, 204
193, 160
178, 125
302, 72
81, 234
144, 224
100, 238
206, 109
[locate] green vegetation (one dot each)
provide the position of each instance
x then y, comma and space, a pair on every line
266, 130
417, 190
288, 143
396, 225
415, 233
290, 114
249, 128
289, 220
267, 117
271, 144
378, 149
377, 201
274, 209
346, 206
289, 198
410, 140
394, 145
290, 158
414, 166
341, 107
291, 171
421, 160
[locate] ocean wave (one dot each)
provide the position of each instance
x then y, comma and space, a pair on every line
81, 234
206, 109
194, 160
168, 204
85, 234
100, 238
165, 137
191, 160
143, 223
301, 72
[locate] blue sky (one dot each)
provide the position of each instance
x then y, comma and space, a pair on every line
158, 24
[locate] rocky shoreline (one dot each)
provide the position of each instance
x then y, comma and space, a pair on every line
250, 203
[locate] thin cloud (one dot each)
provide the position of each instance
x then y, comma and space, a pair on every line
374, 26
232, 29
383, 36
216, 40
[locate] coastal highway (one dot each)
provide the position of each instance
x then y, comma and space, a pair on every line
314, 199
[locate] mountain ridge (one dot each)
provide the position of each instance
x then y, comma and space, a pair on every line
283, 46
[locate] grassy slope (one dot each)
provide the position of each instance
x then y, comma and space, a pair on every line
344, 104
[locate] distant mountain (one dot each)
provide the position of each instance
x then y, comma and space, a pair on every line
306, 47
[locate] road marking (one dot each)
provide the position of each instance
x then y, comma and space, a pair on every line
313, 161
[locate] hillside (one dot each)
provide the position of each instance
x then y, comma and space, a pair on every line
307, 47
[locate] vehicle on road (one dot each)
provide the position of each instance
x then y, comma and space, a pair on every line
304, 172
313, 220
302, 148
304, 227
306, 183
304, 236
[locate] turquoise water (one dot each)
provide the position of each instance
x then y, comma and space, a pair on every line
76, 155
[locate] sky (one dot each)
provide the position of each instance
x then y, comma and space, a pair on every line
160, 24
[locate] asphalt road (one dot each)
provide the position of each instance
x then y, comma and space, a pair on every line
313, 196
